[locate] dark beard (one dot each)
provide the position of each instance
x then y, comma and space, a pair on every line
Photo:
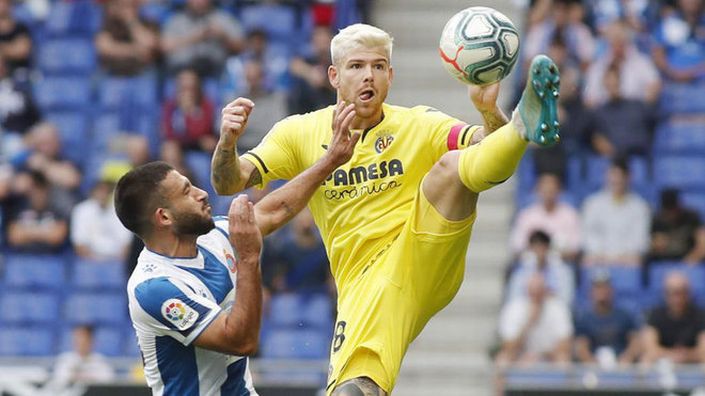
193, 224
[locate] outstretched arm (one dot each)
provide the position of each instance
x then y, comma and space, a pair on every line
229, 175
281, 205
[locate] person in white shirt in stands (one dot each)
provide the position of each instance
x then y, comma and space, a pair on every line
82, 365
535, 328
616, 222
195, 297
96, 232
558, 219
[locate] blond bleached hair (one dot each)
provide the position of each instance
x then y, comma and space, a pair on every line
357, 36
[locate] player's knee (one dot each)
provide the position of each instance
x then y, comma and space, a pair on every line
361, 386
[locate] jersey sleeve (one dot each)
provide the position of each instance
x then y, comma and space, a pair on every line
276, 156
172, 308
446, 133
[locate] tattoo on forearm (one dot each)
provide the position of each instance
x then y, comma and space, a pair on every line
255, 178
361, 386
493, 120
225, 169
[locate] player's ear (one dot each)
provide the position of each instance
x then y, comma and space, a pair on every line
333, 76
391, 74
162, 217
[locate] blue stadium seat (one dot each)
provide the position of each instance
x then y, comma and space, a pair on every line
96, 308
626, 281
68, 55
695, 200
31, 271
318, 312
73, 128
679, 98
279, 21
296, 344
120, 92
98, 275
26, 341
679, 171
106, 340
285, 310
129, 343
29, 308
680, 136
79, 17
200, 164
63, 93
659, 271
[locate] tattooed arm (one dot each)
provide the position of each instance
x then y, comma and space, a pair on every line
485, 100
229, 175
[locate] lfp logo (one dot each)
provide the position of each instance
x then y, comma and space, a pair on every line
175, 311
383, 142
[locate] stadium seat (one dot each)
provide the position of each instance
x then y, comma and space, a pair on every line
120, 92
694, 200
680, 136
31, 271
285, 310
96, 308
679, 98
200, 164
296, 344
73, 128
318, 312
129, 343
26, 341
79, 17
679, 171
67, 55
63, 93
29, 308
626, 281
98, 275
279, 21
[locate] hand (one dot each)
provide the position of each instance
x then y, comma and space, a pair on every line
342, 145
484, 97
234, 120
244, 233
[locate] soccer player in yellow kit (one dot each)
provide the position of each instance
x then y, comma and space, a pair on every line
396, 219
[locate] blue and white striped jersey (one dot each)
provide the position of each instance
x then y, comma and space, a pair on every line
172, 300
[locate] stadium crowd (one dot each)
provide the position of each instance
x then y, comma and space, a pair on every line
90, 89
608, 245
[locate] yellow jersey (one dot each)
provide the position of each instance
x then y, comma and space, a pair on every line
361, 208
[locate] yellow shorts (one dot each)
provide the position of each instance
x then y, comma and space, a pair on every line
384, 309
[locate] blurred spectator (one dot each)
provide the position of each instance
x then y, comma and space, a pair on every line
18, 111
558, 219
96, 232
679, 42
188, 118
615, 221
676, 330
126, 44
270, 106
637, 76
298, 260
540, 258
15, 41
605, 333
310, 87
633, 13
35, 225
82, 365
622, 126
676, 232
535, 328
200, 37
274, 61
562, 18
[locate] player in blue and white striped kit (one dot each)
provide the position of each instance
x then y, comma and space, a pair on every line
195, 297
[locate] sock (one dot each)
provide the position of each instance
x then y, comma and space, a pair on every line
494, 159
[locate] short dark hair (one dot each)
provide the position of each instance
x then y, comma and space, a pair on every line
621, 163
137, 195
540, 237
39, 179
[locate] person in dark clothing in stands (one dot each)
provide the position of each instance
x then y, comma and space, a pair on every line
676, 330
677, 232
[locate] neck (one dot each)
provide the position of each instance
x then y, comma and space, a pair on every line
549, 206
367, 123
602, 308
173, 245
